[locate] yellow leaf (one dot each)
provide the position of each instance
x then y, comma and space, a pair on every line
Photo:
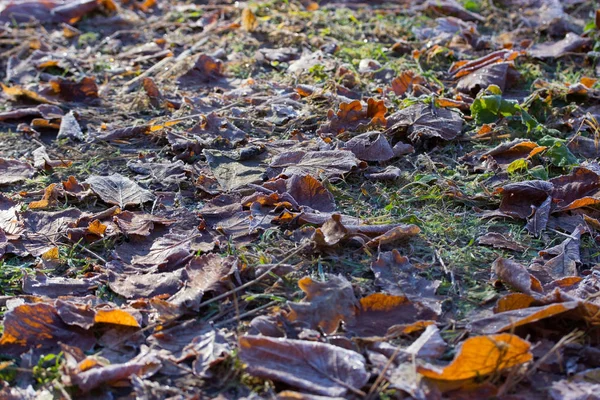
116, 317
482, 355
51, 254
249, 21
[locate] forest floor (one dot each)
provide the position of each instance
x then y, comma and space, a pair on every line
299, 200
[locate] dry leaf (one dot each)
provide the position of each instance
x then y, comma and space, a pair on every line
326, 304
482, 355
315, 367
119, 190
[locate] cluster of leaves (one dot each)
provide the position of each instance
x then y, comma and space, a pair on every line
298, 199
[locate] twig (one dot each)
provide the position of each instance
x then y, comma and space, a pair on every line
381, 375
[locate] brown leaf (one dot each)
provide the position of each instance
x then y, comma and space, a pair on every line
207, 273
370, 146
330, 163
379, 311
167, 252
12, 171
420, 122
144, 365
499, 241
53, 287
84, 90
206, 71
213, 127
50, 198
396, 275
559, 261
571, 191
482, 355
308, 191
405, 83
507, 152
351, 116
39, 326
44, 228
42, 110
42, 161
315, 367
518, 198
326, 303
69, 128
118, 190
515, 275
398, 233
72, 187
139, 224
501, 74
147, 285
572, 43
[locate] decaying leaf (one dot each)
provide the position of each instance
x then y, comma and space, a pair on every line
326, 304
12, 171
329, 163
420, 122
39, 326
351, 116
318, 368
482, 355
379, 312
119, 190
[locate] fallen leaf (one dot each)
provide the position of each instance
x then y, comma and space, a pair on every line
12, 171
326, 304
84, 90
330, 163
139, 224
559, 261
396, 275
499, 241
370, 146
206, 71
420, 122
53, 287
118, 190
69, 128
572, 43
482, 355
115, 316
39, 326
516, 276
144, 365
249, 21
509, 320
318, 368
352, 116
379, 311
308, 191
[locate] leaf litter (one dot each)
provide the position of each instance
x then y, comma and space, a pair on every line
299, 199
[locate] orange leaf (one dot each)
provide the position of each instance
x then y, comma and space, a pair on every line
249, 21
588, 82
48, 200
116, 317
51, 254
97, 228
482, 355
513, 301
